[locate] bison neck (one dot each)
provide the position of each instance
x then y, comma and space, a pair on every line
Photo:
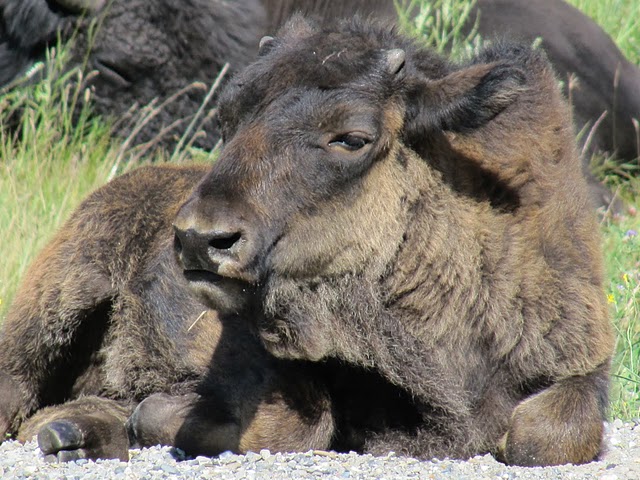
484, 290
445, 285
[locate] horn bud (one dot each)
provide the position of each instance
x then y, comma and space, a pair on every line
394, 60
265, 45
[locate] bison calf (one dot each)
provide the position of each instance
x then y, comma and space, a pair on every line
397, 253
423, 222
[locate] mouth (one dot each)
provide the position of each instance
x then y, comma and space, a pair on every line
223, 294
197, 276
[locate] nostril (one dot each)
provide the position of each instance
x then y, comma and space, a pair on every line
224, 241
177, 244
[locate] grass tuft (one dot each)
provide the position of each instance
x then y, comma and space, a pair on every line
439, 24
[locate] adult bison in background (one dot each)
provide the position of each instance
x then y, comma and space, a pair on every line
147, 50
395, 251
142, 50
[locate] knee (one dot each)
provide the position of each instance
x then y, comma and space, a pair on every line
562, 424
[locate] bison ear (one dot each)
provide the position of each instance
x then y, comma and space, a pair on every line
464, 100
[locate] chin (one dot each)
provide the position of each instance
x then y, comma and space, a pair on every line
225, 295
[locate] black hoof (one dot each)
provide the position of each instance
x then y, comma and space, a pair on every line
61, 436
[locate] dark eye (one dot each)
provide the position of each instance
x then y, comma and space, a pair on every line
350, 142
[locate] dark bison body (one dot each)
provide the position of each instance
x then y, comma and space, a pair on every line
396, 255
142, 50
147, 52
105, 319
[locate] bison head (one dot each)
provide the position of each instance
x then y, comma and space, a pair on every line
141, 50
27, 26
308, 204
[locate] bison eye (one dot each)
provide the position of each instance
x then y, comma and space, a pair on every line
350, 141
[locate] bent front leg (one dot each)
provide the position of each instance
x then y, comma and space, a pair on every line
561, 424
190, 422
354, 326
56, 322
206, 425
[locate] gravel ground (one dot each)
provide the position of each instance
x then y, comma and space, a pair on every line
622, 461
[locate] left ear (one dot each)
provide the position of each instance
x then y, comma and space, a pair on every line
465, 99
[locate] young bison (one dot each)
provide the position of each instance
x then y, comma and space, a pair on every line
409, 239
421, 221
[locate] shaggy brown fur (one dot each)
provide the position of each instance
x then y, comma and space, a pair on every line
425, 225
409, 238
104, 320
600, 82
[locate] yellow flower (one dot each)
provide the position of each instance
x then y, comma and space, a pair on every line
625, 277
610, 298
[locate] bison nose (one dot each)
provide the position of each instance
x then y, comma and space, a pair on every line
205, 251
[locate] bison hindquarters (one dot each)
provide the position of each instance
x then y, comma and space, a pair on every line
562, 424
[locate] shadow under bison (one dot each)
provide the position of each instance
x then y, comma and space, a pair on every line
393, 252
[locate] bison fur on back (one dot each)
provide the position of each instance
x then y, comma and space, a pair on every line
393, 251
600, 82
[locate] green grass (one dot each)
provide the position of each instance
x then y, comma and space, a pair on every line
621, 234
623, 255
53, 163
57, 155
46, 167
439, 24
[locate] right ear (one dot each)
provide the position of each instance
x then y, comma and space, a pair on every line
463, 100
